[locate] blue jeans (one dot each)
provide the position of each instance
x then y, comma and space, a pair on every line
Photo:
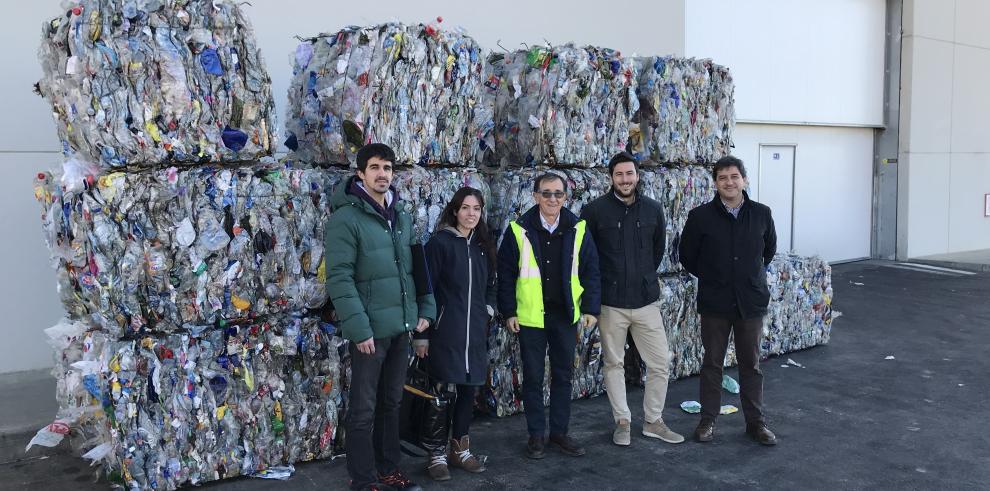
559, 339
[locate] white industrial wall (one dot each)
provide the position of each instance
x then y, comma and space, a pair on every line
808, 73
28, 302
944, 157
833, 184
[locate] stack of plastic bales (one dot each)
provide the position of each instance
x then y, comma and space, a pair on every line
188, 261
416, 88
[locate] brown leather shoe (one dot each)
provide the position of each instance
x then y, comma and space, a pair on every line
535, 447
705, 432
762, 434
567, 445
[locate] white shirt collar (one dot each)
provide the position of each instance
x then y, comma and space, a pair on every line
547, 225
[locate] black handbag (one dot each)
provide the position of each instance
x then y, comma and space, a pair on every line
425, 409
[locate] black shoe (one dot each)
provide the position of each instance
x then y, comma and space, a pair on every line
399, 482
761, 433
567, 445
534, 447
705, 432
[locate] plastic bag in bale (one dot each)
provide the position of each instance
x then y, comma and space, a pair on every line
562, 105
158, 250
686, 111
416, 88
138, 84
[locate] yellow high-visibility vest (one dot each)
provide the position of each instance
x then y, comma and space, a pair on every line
529, 285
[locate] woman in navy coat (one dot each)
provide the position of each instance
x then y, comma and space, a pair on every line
461, 261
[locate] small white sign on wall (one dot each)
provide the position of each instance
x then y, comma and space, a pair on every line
986, 205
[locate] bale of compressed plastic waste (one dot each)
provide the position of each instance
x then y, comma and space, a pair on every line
686, 111
416, 88
162, 412
139, 84
162, 250
561, 105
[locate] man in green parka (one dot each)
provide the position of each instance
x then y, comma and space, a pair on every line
369, 266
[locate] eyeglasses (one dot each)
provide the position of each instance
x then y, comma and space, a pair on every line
553, 194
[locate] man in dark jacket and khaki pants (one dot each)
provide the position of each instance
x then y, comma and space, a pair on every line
630, 233
369, 264
727, 244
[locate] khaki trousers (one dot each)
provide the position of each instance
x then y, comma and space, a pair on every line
646, 326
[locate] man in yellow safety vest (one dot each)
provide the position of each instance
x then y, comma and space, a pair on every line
548, 284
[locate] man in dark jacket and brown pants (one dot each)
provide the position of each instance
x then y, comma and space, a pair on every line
727, 244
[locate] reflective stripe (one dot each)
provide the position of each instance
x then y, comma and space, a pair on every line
576, 289
529, 285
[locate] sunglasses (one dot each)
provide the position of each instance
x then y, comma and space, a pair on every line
552, 194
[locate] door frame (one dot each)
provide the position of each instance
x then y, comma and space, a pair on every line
793, 181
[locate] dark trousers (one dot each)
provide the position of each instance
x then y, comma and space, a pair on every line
559, 338
715, 338
463, 410
372, 426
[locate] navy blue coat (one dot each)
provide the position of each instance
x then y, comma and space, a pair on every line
508, 264
464, 289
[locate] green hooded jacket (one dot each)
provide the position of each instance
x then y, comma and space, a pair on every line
369, 268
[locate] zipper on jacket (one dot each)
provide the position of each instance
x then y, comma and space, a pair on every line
437, 326
467, 336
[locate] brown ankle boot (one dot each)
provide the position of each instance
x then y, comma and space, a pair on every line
437, 466
460, 455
